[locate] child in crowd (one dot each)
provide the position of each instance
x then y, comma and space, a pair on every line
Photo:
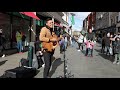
89, 48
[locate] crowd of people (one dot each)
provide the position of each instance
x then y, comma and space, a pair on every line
111, 46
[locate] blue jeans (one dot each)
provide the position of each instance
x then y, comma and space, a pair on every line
89, 52
65, 43
73, 43
108, 48
117, 57
19, 46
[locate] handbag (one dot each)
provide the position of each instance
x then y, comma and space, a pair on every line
110, 50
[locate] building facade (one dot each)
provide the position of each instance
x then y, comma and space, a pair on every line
106, 21
102, 20
10, 22
89, 22
118, 23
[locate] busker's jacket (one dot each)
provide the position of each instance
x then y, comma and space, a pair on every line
45, 35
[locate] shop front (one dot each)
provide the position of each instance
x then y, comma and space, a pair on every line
10, 22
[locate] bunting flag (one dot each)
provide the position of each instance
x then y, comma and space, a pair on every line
72, 20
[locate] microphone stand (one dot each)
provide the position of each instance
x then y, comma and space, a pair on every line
66, 74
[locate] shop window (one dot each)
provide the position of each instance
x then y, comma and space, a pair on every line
22, 25
5, 26
38, 22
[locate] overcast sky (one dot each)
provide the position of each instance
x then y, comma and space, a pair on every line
79, 17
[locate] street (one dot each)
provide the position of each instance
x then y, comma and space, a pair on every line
98, 66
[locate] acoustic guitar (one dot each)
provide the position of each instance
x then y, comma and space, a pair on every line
50, 46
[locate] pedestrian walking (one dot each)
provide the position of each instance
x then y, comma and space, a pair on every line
66, 41
80, 42
117, 51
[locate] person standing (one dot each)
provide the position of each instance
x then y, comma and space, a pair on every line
73, 41
23, 42
19, 41
65, 42
103, 44
46, 37
117, 51
89, 48
80, 42
107, 44
90, 36
2, 42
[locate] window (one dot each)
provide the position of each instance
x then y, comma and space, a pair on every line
20, 24
5, 26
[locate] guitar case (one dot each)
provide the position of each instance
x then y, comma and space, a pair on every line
20, 72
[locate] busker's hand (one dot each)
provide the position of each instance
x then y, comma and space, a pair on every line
54, 46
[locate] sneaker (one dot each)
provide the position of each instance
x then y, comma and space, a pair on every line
79, 50
3, 55
114, 62
118, 63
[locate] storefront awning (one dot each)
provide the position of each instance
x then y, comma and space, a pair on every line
30, 14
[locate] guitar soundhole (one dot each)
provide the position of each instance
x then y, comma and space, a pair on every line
54, 43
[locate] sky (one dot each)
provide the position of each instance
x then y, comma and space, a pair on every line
79, 17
